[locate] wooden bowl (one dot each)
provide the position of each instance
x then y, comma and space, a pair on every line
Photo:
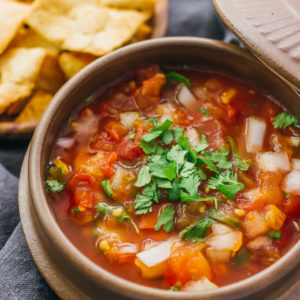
70, 273
22, 131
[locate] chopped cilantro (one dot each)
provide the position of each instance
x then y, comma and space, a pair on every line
144, 177
241, 164
164, 183
165, 219
203, 144
131, 137
76, 210
54, 186
106, 187
274, 234
155, 132
287, 195
187, 169
175, 288
184, 197
197, 231
226, 183
190, 184
177, 154
242, 257
208, 162
105, 209
284, 120
154, 121
167, 137
177, 132
178, 77
162, 168
56, 173
150, 148
204, 111
174, 192
220, 158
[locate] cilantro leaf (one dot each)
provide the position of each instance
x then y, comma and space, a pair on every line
165, 219
227, 184
201, 174
154, 121
187, 169
284, 120
150, 148
184, 142
144, 177
208, 162
197, 231
185, 197
220, 158
54, 186
274, 234
177, 155
167, 137
204, 111
190, 184
178, 77
164, 183
106, 187
203, 144
241, 163
155, 132
173, 192
142, 204
177, 132
163, 169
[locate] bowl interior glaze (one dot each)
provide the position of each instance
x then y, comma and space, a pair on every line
215, 55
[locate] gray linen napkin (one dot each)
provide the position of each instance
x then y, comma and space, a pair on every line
19, 277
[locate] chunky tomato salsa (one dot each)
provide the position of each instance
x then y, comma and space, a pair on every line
178, 178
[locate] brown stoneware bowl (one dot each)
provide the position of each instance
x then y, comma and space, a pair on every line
71, 274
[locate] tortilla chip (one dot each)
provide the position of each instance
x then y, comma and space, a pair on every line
73, 62
144, 5
19, 68
12, 15
35, 107
84, 26
50, 77
142, 33
28, 38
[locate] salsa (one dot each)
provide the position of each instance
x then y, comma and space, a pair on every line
178, 178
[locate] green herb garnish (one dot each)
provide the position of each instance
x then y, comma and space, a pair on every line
197, 231
165, 219
242, 257
274, 234
222, 217
204, 111
54, 186
131, 137
284, 120
106, 187
241, 163
178, 77
76, 210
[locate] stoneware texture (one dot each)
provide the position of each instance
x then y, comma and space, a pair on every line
65, 268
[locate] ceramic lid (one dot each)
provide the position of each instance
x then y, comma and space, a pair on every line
271, 31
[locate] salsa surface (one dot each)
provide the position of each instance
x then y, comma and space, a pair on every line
178, 178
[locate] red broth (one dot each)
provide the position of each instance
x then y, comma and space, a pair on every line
178, 178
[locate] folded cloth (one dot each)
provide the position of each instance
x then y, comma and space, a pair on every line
19, 277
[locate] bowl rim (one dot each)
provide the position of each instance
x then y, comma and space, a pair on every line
76, 257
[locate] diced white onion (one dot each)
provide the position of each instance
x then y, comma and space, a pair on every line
255, 224
193, 136
122, 178
255, 134
218, 228
292, 182
199, 285
167, 111
295, 141
128, 119
218, 255
273, 161
65, 142
186, 97
155, 255
296, 164
228, 241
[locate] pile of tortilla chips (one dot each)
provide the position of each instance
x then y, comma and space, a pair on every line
43, 43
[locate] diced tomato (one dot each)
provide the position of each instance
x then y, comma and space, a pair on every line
79, 180
149, 92
292, 206
183, 118
83, 198
286, 234
220, 271
107, 164
187, 263
146, 72
232, 113
149, 220
269, 112
116, 130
